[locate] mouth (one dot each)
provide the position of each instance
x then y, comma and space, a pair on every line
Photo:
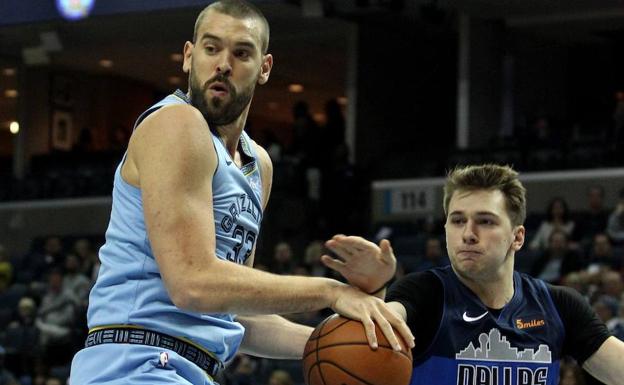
219, 89
470, 253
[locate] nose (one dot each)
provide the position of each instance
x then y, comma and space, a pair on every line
224, 66
469, 234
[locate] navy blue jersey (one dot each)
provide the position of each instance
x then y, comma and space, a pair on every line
519, 345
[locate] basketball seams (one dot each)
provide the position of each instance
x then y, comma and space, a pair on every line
344, 370
317, 351
350, 344
331, 330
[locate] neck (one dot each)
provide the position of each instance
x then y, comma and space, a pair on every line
231, 133
495, 290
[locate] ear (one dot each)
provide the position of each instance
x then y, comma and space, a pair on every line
188, 53
265, 69
518, 241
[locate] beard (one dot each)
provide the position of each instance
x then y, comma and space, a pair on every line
217, 111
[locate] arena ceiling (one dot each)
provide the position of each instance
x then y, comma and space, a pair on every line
309, 48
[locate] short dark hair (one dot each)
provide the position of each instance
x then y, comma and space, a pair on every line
489, 177
239, 9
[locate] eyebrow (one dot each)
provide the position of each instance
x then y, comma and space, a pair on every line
478, 213
244, 43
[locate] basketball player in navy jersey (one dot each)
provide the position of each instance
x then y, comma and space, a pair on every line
477, 321
175, 291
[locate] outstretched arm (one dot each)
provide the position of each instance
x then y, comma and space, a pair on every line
607, 364
272, 336
175, 160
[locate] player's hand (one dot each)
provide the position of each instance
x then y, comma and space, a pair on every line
353, 303
363, 263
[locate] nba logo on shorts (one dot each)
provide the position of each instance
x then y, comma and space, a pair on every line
164, 358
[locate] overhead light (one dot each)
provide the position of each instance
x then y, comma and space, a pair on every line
14, 128
342, 100
74, 9
10, 93
8, 71
176, 57
295, 88
106, 63
175, 80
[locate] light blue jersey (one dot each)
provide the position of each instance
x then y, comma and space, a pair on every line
129, 289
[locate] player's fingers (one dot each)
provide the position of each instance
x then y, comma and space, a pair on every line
333, 264
399, 324
387, 253
342, 251
369, 329
358, 243
386, 329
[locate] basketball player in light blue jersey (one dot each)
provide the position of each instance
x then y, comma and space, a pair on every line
175, 297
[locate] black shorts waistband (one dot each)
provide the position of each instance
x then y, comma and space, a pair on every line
139, 336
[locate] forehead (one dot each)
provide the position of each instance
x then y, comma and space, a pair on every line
478, 201
227, 27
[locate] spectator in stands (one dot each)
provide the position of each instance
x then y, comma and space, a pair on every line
312, 259
615, 225
75, 282
594, 219
282, 259
577, 281
280, 377
557, 260
53, 381
9, 296
611, 284
35, 265
603, 254
433, 255
56, 313
608, 310
89, 261
6, 377
22, 337
333, 131
242, 371
558, 218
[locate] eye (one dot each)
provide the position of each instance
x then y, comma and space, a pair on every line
457, 221
487, 222
210, 49
242, 54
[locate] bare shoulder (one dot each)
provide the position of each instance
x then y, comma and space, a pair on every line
173, 136
178, 122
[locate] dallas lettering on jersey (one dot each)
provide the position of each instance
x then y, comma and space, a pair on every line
496, 362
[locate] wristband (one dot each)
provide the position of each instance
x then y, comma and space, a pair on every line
380, 289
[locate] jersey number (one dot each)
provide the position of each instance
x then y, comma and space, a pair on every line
244, 238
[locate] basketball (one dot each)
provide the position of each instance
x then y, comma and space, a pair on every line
338, 353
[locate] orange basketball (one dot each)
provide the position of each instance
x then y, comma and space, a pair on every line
338, 353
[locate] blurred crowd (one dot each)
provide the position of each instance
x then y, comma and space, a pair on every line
44, 294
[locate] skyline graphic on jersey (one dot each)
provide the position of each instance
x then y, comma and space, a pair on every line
495, 347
